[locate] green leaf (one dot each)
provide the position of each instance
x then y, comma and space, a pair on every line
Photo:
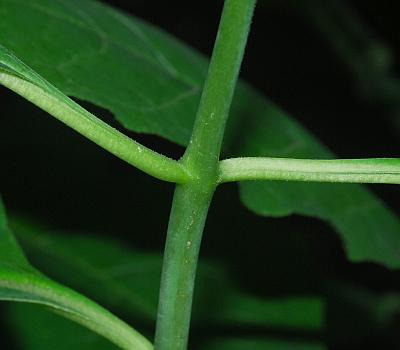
93, 52
370, 231
125, 279
38, 329
19, 281
151, 83
261, 344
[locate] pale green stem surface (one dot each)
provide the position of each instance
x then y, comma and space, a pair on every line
374, 170
192, 200
96, 130
74, 306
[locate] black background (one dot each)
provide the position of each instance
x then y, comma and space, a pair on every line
50, 173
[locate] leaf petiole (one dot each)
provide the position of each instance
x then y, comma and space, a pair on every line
373, 170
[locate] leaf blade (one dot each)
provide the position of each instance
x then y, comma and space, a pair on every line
129, 49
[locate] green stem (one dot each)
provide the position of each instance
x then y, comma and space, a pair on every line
192, 200
188, 215
202, 154
375, 170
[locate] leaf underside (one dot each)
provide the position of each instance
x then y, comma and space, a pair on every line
151, 83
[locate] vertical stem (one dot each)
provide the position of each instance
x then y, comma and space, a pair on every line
202, 154
188, 215
192, 200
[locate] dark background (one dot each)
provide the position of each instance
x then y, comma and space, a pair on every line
50, 173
